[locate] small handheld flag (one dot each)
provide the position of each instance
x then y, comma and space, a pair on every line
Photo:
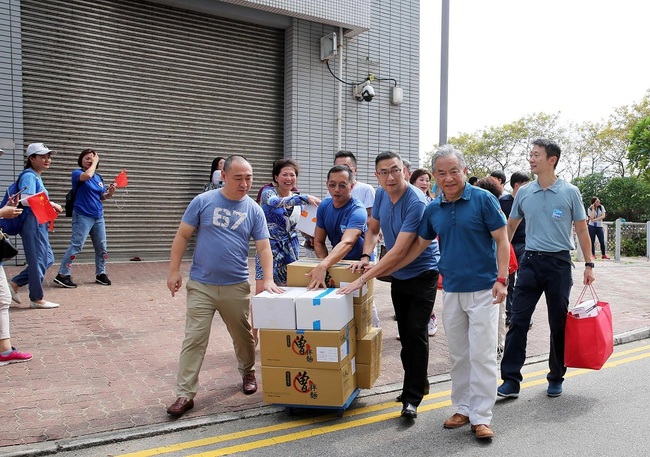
121, 179
42, 208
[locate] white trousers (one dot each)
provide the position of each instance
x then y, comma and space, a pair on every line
5, 301
470, 320
502, 324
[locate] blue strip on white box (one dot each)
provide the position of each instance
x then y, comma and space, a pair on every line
323, 310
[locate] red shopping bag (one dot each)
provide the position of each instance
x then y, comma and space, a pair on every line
589, 341
513, 264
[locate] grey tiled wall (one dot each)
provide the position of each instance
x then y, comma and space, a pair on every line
390, 49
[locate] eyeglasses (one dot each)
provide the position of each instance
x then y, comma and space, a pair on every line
340, 186
393, 171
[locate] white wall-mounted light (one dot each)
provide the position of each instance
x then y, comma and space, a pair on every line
396, 95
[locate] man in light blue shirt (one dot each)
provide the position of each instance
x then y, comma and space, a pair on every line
224, 221
552, 207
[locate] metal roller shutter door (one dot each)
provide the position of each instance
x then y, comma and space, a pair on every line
157, 91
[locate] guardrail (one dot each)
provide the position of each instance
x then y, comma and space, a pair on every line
616, 231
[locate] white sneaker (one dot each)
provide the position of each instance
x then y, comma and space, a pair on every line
432, 327
46, 305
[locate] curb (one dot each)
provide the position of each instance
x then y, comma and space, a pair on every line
99, 439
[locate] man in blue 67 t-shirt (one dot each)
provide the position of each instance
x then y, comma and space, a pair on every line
224, 221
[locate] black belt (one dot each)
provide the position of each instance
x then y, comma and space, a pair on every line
560, 255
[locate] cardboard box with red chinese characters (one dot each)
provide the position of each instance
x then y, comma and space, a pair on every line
309, 386
339, 273
327, 349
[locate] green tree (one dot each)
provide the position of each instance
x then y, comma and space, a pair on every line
639, 148
628, 198
614, 134
506, 147
593, 185
587, 148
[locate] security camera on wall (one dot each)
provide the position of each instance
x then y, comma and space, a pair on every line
368, 93
364, 91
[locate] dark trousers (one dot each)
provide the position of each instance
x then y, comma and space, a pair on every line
413, 301
519, 248
600, 233
552, 276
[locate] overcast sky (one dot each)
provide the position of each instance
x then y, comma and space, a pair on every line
510, 58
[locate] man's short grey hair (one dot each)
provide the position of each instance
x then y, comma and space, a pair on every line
448, 151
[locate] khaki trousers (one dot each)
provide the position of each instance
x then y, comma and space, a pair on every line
233, 304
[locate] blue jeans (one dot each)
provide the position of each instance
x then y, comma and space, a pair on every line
38, 254
413, 301
552, 276
600, 233
519, 248
82, 226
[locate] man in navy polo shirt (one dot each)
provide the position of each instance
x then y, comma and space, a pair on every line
474, 265
397, 210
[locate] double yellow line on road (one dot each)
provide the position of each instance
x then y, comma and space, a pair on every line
530, 379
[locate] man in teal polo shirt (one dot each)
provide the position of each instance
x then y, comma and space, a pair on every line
471, 230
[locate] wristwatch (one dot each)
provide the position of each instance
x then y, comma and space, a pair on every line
503, 281
590, 264
364, 255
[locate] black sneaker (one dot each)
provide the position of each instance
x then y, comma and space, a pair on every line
103, 280
64, 281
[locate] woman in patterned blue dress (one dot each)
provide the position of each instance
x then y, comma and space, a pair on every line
282, 209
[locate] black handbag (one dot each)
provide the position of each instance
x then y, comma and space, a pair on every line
7, 250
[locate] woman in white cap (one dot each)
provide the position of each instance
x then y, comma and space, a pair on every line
36, 242
8, 353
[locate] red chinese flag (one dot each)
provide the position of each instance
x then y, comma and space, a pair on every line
42, 208
121, 180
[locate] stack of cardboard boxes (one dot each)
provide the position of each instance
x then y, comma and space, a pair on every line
316, 346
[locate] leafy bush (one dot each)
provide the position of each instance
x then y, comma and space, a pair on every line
634, 245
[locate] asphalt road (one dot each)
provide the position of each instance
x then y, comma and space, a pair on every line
601, 413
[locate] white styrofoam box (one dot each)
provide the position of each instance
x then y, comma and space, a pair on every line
585, 309
323, 309
307, 221
276, 310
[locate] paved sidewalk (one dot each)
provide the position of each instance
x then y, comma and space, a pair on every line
106, 360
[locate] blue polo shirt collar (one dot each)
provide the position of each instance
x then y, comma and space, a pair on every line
555, 187
465, 195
